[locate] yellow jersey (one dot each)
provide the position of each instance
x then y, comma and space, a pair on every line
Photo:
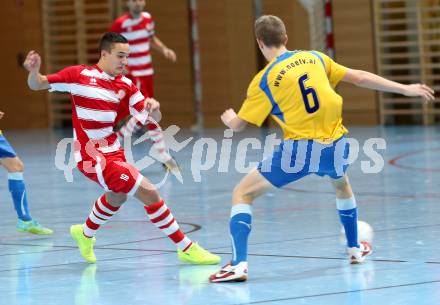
297, 89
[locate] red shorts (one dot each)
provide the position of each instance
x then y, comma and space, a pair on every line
112, 172
144, 84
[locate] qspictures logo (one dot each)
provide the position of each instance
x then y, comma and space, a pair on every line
208, 153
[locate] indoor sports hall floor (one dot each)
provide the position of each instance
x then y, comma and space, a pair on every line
295, 254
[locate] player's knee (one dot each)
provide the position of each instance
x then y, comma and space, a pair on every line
241, 194
116, 199
15, 166
147, 194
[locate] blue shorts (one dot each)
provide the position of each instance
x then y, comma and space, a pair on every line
6, 150
295, 159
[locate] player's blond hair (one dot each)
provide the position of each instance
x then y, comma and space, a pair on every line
271, 31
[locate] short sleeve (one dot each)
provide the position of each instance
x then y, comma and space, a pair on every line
256, 106
60, 81
335, 71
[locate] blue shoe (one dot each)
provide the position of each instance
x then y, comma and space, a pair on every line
32, 226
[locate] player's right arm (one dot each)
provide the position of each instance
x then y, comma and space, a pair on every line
32, 63
375, 82
231, 120
254, 110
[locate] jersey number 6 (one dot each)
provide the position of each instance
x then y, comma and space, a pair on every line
306, 91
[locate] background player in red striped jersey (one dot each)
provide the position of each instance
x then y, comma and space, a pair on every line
138, 27
98, 93
12, 163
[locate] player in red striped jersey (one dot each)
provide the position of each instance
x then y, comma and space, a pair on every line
138, 27
98, 93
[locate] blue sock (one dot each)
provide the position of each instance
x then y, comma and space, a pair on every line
18, 193
240, 227
348, 216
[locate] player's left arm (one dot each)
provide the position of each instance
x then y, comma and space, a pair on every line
375, 82
231, 120
159, 46
153, 107
1, 114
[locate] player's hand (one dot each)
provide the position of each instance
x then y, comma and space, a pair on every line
32, 63
169, 54
421, 90
1, 114
228, 116
151, 104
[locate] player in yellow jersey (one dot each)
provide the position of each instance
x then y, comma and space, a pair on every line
12, 163
297, 90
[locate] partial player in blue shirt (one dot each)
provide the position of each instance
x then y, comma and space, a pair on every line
17, 188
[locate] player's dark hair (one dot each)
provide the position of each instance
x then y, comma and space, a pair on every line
271, 31
110, 38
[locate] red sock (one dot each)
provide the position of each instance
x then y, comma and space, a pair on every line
101, 212
162, 218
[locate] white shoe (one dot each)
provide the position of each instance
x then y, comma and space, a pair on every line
229, 273
357, 255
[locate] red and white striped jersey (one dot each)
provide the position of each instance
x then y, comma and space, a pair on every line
97, 98
138, 32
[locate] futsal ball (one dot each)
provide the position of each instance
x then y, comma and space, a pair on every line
365, 233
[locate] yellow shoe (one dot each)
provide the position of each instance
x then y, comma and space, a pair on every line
196, 255
174, 168
171, 165
85, 244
